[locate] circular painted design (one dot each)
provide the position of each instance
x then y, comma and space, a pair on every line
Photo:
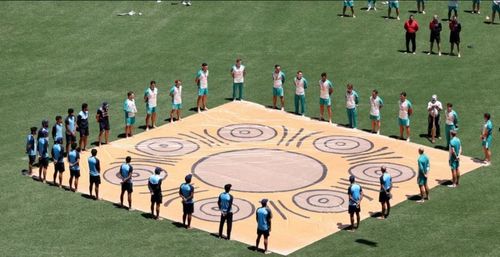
322, 201
140, 175
371, 172
247, 132
166, 146
208, 210
260, 170
342, 144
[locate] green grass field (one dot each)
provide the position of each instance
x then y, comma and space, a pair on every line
56, 55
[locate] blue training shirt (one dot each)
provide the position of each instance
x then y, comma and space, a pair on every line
94, 167
354, 192
225, 202
186, 190
125, 170
57, 131
43, 147
73, 157
30, 145
263, 217
58, 153
386, 181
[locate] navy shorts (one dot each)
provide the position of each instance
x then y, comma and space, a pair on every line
127, 187
70, 139
103, 125
84, 131
31, 159
59, 167
265, 233
354, 209
187, 208
95, 180
157, 198
384, 197
43, 162
74, 173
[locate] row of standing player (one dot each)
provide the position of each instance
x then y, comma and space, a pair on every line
452, 7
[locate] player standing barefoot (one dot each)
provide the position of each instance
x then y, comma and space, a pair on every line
279, 80
186, 192
325, 92
150, 96
126, 172
94, 174
154, 185
376, 104
385, 192
201, 81
74, 167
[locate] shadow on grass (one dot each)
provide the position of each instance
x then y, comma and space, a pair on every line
342, 226
413, 197
252, 248
87, 196
477, 160
375, 214
468, 11
413, 11
122, 135
443, 182
147, 215
178, 224
366, 242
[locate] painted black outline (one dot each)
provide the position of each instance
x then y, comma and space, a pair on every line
299, 143
294, 136
320, 138
382, 164
283, 216
156, 138
307, 200
246, 124
215, 198
216, 139
117, 169
296, 213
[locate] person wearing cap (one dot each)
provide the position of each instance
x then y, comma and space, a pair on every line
405, 111
423, 174
70, 128
102, 118
451, 122
376, 103
130, 111
411, 27
487, 138
225, 204
58, 129
434, 108
176, 94
58, 157
300, 93
154, 186
94, 173
264, 217
126, 173
454, 160
201, 81
150, 96
351, 102
355, 193
238, 73
435, 27
43, 154
385, 192
31, 149
74, 167
82, 120
186, 192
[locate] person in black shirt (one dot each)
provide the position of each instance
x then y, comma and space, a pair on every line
102, 118
435, 27
82, 121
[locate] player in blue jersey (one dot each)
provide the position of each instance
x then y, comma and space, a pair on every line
58, 129
455, 149
264, 217
94, 173
225, 203
487, 138
43, 154
31, 149
74, 166
424, 167
154, 185
355, 193
385, 192
186, 192
70, 127
126, 171
58, 157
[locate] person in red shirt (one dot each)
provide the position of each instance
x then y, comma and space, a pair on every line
435, 28
411, 27
455, 29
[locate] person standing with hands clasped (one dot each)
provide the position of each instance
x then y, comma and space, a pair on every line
411, 27
435, 27
225, 204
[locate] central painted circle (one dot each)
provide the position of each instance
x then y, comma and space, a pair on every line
260, 170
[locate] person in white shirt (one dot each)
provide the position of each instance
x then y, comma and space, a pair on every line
376, 104
150, 96
325, 91
405, 111
201, 81
130, 111
434, 107
300, 93
351, 103
176, 94
278, 81
238, 73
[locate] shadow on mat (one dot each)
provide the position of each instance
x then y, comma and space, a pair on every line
366, 242
375, 214
343, 226
477, 160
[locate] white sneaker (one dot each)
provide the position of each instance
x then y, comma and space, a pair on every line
184, 3
429, 53
420, 201
378, 132
452, 186
354, 16
458, 55
374, 8
478, 12
408, 140
398, 18
414, 53
199, 110
439, 53
423, 12
189, 3
282, 108
369, 8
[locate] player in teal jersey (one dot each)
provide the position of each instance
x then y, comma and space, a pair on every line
264, 217
325, 92
424, 167
487, 137
405, 111
352, 100
70, 127
58, 129
150, 97
454, 161
300, 84
225, 204
355, 193
43, 153
393, 4
74, 167
376, 103
31, 149
421, 6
